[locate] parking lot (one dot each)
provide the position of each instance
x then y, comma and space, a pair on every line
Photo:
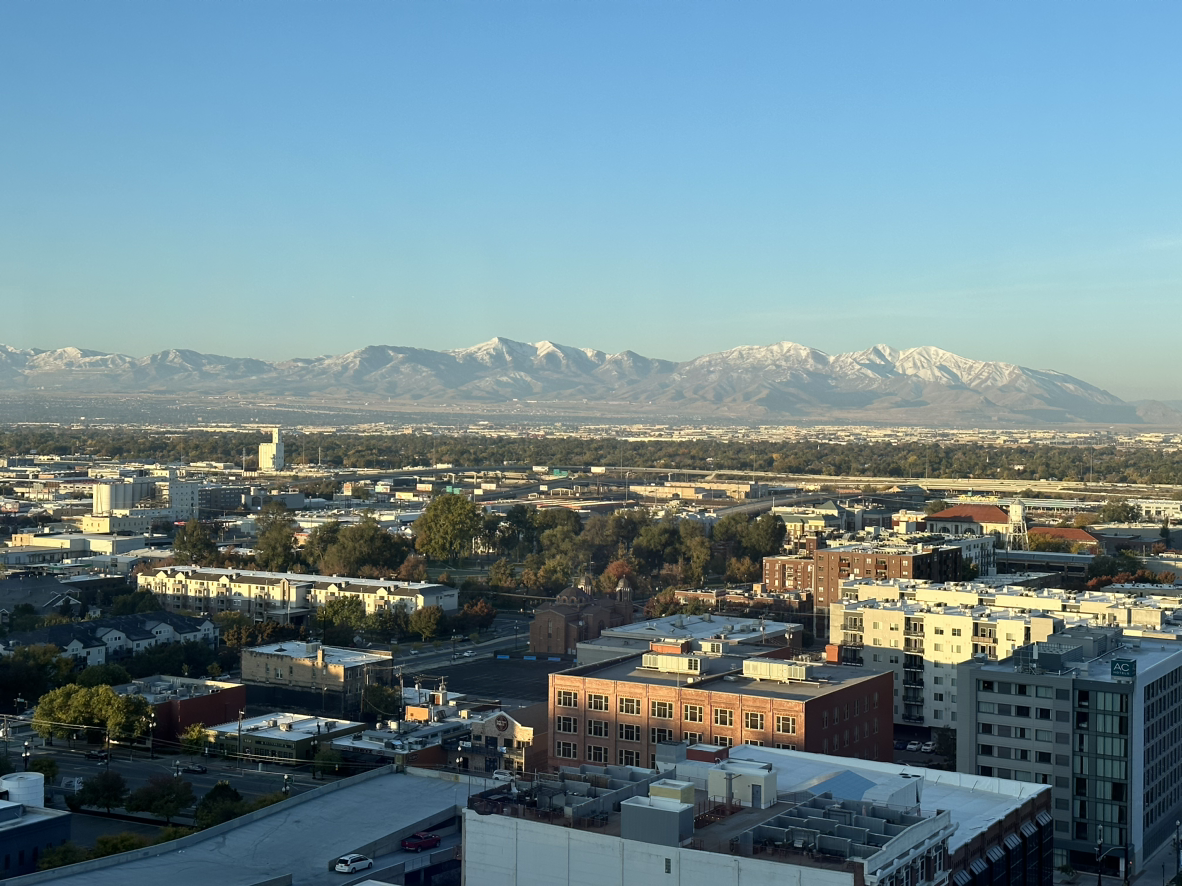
511, 680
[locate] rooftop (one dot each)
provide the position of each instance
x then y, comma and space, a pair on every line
289, 727
724, 673
337, 655
699, 627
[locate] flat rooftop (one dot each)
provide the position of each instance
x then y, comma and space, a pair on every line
1147, 655
339, 655
297, 837
289, 727
724, 673
700, 627
975, 802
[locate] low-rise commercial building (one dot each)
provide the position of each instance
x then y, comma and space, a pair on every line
618, 712
312, 675
516, 740
276, 738
180, 702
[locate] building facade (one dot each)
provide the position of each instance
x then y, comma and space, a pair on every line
619, 711
576, 616
1096, 716
327, 678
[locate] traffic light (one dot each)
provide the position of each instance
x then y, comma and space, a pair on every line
286, 785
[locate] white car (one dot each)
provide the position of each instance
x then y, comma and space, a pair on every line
468, 654
928, 747
350, 864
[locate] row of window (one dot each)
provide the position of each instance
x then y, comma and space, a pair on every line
664, 710
785, 723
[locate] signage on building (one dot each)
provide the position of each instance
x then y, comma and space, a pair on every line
1123, 667
502, 723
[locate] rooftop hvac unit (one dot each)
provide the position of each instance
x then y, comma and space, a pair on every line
775, 669
672, 664
273, 723
286, 727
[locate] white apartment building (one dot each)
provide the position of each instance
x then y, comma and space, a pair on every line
284, 596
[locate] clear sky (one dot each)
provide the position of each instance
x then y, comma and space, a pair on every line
1001, 179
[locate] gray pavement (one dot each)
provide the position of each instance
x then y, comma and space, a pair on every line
300, 839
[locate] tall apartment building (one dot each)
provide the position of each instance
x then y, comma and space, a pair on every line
922, 643
618, 712
1096, 716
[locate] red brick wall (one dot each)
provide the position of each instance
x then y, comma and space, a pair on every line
176, 715
841, 722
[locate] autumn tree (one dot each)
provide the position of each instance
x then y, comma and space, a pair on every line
426, 621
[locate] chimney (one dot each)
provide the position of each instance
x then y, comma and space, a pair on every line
320, 656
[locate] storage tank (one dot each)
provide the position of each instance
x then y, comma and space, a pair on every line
25, 787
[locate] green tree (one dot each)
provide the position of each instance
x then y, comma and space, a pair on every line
113, 844
935, 506
60, 856
137, 602
163, 796
221, 803
193, 544
446, 527
502, 576
364, 548
1118, 510
274, 551
320, 541
47, 766
104, 675
105, 790
426, 621
327, 761
193, 739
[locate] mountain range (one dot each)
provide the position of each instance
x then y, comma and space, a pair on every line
785, 381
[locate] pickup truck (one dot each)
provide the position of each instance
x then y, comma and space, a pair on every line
420, 841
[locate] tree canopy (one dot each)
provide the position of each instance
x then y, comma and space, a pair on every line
446, 527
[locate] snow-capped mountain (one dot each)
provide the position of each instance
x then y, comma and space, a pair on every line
779, 381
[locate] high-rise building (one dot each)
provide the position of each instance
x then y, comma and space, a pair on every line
1098, 717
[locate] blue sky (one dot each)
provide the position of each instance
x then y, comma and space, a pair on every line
1000, 179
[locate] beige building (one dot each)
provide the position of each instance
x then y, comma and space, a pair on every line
284, 596
312, 675
271, 456
515, 740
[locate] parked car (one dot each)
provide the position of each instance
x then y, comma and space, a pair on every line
349, 864
913, 745
468, 654
900, 745
927, 747
97, 755
195, 768
420, 841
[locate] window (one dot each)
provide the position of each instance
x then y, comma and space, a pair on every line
753, 720
723, 717
629, 705
566, 724
596, 753
658, 735
692, 737
627, 757
598, 728
629, 732
567, 699
596, 702
567, 750
956, 632
724, 741
785, 747
785, 724
692, 713
937, 696
661, 709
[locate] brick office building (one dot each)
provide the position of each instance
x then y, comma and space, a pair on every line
616, 712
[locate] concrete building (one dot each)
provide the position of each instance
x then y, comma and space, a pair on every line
619, 712
716, 634
311, 675
134, 504
575, 617
971, 520
27, 827
1097, 718
763, 817
271, 454
276, 738
286, 597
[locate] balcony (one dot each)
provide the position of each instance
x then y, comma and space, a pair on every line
913, 718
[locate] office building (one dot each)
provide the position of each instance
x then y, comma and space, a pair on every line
618, 712
1098, 718
276, 738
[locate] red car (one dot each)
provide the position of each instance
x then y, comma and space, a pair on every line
420, 841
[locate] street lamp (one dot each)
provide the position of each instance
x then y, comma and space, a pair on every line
1099, 854
27, 753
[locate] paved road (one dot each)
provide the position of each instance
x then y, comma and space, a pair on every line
383, 865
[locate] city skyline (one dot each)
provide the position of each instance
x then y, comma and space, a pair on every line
273, 181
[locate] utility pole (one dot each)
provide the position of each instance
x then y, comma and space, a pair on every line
241, 714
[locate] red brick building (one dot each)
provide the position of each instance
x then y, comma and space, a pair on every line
179, 702
576, 616
617, 712
825, 569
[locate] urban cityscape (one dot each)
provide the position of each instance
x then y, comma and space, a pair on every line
590, 444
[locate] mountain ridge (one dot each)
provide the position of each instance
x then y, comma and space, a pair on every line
784, 380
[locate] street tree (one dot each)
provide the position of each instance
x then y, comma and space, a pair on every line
426, 621
109, 674
221, 803
163, 796
193, 739
446, 528
104, 790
